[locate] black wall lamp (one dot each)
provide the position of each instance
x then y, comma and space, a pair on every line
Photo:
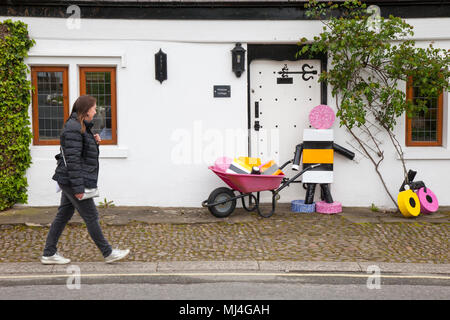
160, 66
238, 59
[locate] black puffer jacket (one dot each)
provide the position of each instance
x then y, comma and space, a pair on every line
81, 152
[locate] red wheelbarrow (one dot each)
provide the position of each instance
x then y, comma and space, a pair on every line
222, 201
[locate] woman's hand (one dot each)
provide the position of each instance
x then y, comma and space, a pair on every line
79, 196
97, 138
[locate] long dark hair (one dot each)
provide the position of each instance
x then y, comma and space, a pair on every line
81, 107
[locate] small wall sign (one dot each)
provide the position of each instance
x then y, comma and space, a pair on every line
285, 80
222, 91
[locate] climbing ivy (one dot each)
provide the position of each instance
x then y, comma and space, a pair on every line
15, 131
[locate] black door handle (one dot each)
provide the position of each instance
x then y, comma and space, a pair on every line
256, 109
257, 126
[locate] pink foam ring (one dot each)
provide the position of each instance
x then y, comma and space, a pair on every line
328, 208
322, 117
222, 163
428, 201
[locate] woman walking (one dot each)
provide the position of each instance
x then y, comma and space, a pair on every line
77, 169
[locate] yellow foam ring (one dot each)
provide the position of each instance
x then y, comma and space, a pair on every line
408, 203
250, 161
318, 156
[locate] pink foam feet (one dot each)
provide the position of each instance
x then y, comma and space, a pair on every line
322, 117
328, 208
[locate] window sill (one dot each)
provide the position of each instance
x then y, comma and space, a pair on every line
113, 152
41, 152
426, 153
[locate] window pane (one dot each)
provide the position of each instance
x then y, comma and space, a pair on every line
50, 98
98, 85
424, 125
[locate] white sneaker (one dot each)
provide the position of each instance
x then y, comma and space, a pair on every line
116, 255
54, 259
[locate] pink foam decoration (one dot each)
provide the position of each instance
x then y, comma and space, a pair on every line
428, 201
322, 117
222, 163
328, 208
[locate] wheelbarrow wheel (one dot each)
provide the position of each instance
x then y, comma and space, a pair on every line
225, 209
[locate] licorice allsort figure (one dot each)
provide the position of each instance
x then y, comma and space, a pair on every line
318, 147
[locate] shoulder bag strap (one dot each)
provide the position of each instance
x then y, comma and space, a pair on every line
64, 158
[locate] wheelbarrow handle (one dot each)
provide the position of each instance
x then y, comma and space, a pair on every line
286, 183
285, 164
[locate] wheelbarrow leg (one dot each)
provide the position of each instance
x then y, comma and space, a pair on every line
249, 208
267, 215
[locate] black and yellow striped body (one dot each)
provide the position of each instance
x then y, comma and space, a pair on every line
318, 149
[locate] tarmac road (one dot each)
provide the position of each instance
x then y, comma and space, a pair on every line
231, 280
222, 286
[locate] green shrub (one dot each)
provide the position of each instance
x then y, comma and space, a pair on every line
15, 131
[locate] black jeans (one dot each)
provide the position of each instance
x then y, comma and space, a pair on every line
87, 210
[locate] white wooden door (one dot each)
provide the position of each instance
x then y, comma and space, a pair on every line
282, 93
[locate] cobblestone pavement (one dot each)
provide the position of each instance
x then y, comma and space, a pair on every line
284, 236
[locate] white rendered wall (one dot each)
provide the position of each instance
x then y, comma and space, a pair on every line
154, 118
